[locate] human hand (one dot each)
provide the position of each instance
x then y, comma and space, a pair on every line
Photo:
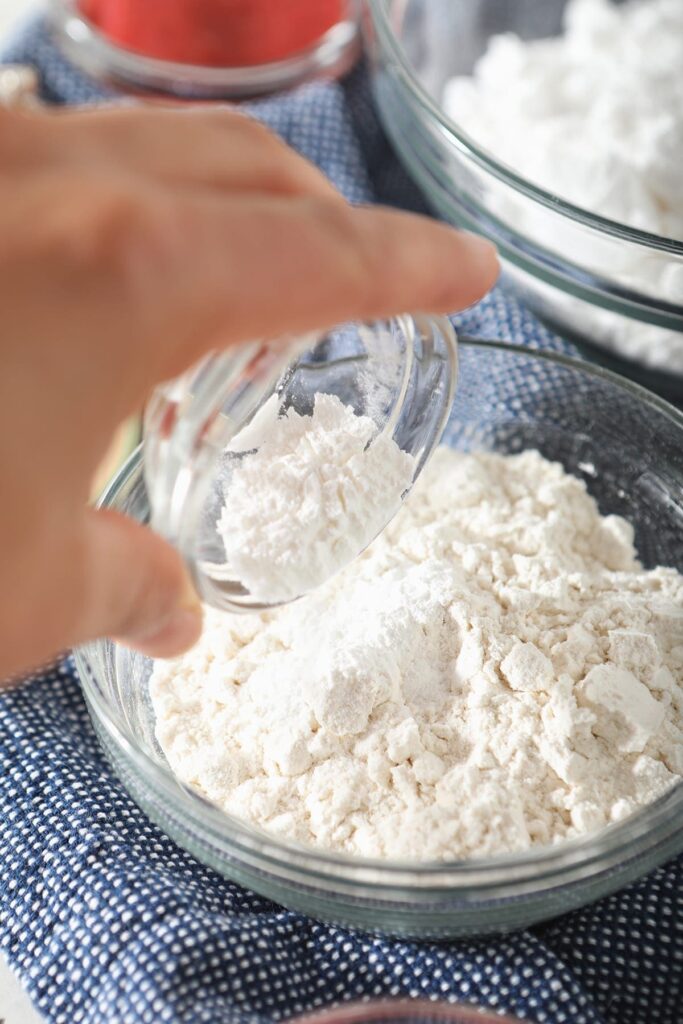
132, 242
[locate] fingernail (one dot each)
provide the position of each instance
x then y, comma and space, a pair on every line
189, 598
478, 245
481, 258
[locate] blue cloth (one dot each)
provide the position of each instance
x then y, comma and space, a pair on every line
106, 919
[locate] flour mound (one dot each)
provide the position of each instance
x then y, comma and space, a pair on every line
594, 116
316, 492
590, 115
495, 672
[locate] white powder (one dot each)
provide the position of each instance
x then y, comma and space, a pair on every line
495, 671
594, 116
315, 492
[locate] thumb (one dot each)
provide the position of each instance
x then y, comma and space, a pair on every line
138, 590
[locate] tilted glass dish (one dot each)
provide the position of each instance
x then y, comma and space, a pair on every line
399, 375
574, 268
626, 444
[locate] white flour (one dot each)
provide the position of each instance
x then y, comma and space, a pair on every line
310, 498
594, 116
495, 671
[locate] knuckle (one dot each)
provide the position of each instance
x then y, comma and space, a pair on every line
244, 127
89, 224
276, 166
109, 228
268, 146
258, 132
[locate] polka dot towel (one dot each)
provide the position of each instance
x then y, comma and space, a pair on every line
107, 920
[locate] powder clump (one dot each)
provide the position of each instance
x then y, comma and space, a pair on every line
496, 671
316, 491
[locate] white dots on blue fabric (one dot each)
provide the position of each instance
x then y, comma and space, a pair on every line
106, 919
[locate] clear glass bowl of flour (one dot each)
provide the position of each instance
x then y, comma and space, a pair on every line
613, 287
626, 445
272, 466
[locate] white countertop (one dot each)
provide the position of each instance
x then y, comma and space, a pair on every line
11, 11
15, 1006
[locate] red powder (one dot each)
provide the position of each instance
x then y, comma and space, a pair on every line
228, 33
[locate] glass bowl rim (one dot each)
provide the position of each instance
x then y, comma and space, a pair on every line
392, 1011
379, 10
641, 830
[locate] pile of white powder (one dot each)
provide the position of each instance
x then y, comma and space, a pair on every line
315, 491
495, 671
594, 116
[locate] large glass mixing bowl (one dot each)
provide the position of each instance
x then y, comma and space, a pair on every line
626, 444
574, 268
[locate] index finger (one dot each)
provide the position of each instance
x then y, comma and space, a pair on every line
267, 265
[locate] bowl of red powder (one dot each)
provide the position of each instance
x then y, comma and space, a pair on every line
208, 48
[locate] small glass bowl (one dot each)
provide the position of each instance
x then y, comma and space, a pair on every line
401, 374
626, 445
92, 51
575, 268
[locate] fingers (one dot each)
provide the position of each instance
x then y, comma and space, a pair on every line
216, 148
93, 574
277, 217
188, 232
137, 589
271, 266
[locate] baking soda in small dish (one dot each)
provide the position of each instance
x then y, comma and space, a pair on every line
312, 494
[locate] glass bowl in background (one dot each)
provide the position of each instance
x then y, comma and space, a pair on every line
574, 268
399, 374
626, 444
404, 1011
100, 55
